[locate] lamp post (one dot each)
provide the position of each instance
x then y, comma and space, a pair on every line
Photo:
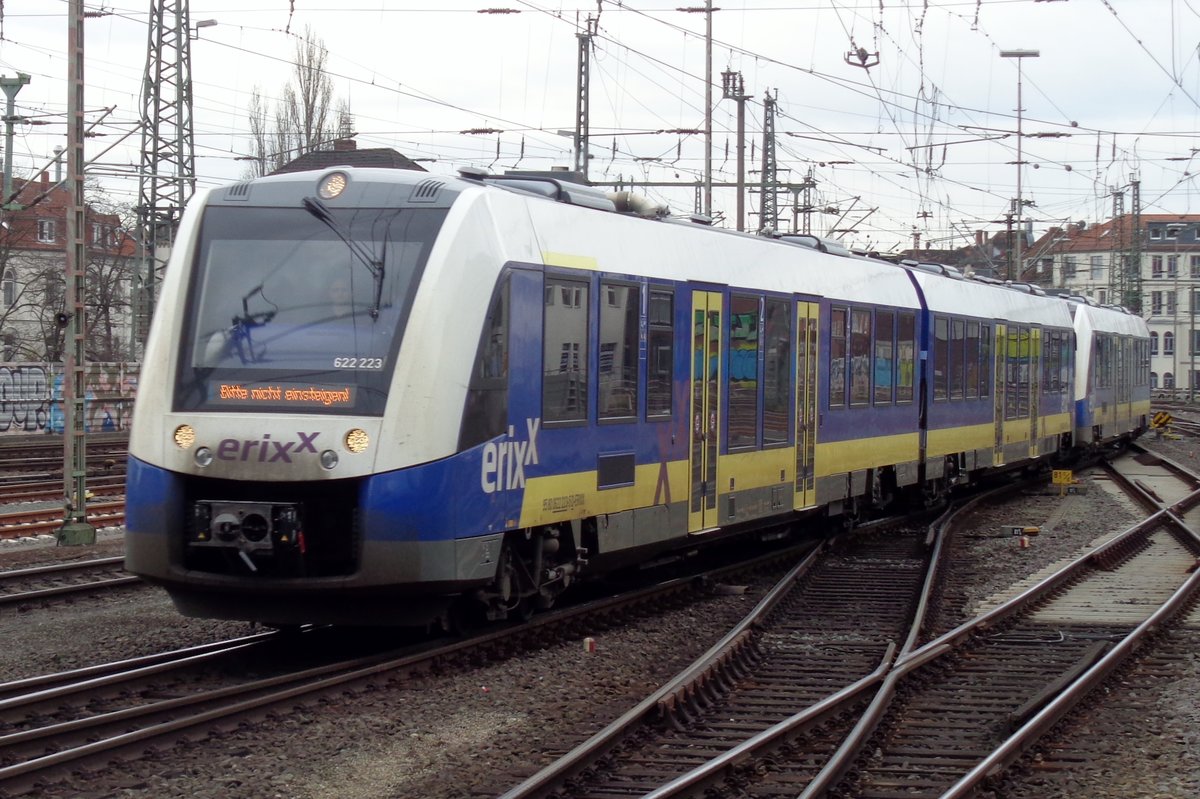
1019, 55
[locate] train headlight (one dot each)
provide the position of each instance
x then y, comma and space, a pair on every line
329, 459
332, 185
185, 436
357, 440
203, 457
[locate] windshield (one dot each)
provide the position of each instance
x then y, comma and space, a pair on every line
288, 311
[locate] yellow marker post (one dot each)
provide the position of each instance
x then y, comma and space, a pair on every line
1062, 478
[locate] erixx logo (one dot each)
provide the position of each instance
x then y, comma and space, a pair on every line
504, 461
265, 450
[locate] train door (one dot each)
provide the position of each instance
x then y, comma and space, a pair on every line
705, 409
998, 388
1035, 386
1124, 382
806, 403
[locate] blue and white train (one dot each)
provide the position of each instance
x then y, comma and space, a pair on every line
377, 396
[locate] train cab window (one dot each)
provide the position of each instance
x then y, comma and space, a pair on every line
941, 358
958, 335
485, 415
777, 371
860, 357
885, 361
617, 381
837, 357
742, 375
972, 361
565, 350
906, 356
660, 358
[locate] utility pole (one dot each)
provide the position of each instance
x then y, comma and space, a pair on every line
734, 88
1134, 299
75, 530
582, 100
11, 86
769, 213
708, 106
1020, 55
167, 178
1008, 227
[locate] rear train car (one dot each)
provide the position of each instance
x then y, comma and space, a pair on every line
1112, 374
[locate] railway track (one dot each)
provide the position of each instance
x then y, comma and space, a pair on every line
53, 724
28, 523
21, 586
937, 720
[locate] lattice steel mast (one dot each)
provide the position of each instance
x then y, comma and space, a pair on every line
168, 169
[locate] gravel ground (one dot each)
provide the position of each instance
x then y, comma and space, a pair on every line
461, 734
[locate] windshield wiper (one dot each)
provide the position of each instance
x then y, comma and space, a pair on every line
360, 251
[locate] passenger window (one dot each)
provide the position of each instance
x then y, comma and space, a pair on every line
837, 358
957, 343
743, 371
985, 360
565, 351
941, 358
660, 348
906, 356
617, 381
860, 357
485, 415
972, 360
884, 356
777, 372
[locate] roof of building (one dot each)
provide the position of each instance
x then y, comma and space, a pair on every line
345, 152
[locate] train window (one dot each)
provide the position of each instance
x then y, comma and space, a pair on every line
777, 372
660, 347
860, 357
837, 357
617, 381
743, 371
885, 361
906, 355
565, 351
958, 337
941, 358
485, 415
1012, 363
972, 361
985, 360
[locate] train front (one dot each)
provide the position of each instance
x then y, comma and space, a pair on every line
263, 416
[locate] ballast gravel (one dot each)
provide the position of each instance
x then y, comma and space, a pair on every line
475, 729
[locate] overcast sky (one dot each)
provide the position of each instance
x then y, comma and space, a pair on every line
925, 140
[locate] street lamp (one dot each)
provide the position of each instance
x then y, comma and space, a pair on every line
1019, 55
204, 23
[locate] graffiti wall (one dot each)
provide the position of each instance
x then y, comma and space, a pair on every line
31, 397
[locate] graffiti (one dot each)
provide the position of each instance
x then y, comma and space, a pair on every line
31, 397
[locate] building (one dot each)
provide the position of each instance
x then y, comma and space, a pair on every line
1094, 261
33, 257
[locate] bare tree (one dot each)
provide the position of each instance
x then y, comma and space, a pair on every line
260, 137
304, 117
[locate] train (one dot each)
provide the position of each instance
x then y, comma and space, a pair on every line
378, 396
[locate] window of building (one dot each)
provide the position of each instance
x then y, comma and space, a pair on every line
9, 288
1102, 296
1097, 263
1168, 380
1069, 266
1195, 340
1154, 380
1153, 343
1194, 265
10, 346
565, 351
1156, 233
45, 231
617, 381
1172, 232
1172, 266
742, 376
1156, 266
1156, 303
1171, 303
660, 357
777, 371
1168, 343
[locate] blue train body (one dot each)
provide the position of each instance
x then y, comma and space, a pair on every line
532, 382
